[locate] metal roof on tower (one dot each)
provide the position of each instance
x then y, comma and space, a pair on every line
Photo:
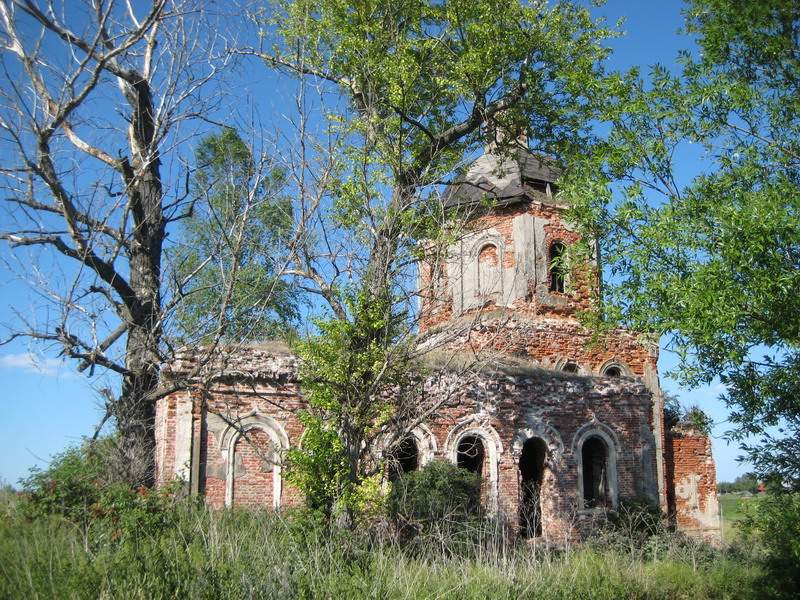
507, 178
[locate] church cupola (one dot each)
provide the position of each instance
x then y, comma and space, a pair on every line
512, 252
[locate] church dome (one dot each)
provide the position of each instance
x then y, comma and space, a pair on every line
507, 178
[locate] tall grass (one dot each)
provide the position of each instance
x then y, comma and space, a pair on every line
231, 554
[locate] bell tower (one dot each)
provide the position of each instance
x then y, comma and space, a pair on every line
511, 255
504, 292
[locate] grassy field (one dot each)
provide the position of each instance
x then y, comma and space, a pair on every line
197, 553
731, 512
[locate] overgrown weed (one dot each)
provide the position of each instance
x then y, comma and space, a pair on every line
203, 553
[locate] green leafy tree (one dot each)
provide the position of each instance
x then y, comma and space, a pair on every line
744, 483
713, 263
409, 88
233, 250
773, 522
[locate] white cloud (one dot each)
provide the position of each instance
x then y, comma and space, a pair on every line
29, 362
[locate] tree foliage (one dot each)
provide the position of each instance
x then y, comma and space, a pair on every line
713, 263
413, 87
85, 187
773, 522
235, 287
99, 107
744, 483
82, 485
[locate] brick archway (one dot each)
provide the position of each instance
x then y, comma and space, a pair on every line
422, 436
493, 446
597, 430
613, 363
277, 437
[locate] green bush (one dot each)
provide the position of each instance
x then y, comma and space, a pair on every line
77, 485
69, 486
438, 493
773, 523
136, 512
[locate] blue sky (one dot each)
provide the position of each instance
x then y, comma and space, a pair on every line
45, 405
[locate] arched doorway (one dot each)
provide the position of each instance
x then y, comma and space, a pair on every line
594, 456
474, 445
471, 454
531, 471
404, 458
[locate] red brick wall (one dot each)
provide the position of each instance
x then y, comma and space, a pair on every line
547, 340
212, 482
235, 401
504, 403
692, 481
540, 331
253, 469
565, 403
437, 309
251, 388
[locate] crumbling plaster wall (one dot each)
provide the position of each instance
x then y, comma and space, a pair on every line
523, 233
525, 318
692, 497
227, 437
232, 407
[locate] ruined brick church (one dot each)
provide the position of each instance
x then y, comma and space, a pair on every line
562, 430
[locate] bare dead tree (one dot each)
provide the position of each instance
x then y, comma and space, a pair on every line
100, 100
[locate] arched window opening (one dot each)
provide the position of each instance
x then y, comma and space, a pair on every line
531, 471
594, 455
570, 367
613, 371
557, 268
404, 458
471, 454
488, 272
488, 255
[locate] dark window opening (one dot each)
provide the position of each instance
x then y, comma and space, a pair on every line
531, 471
538, 185
557, 269
594, 456
613, 372
405, 458
570, 367
471, 454
489, 255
